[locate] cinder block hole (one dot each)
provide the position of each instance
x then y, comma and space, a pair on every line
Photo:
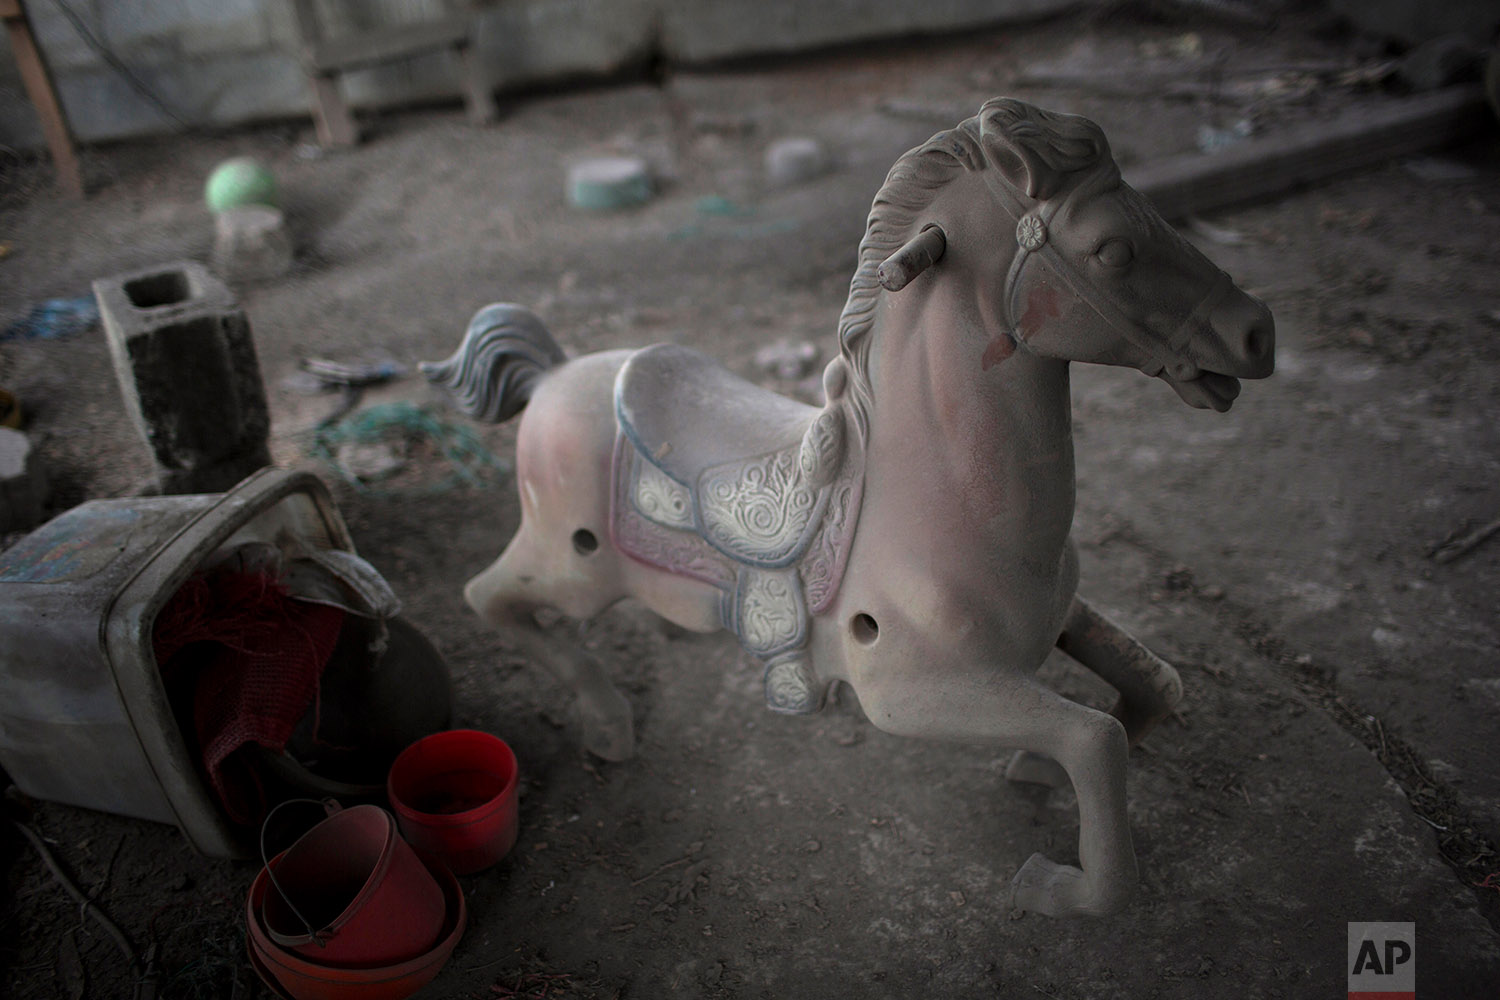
161, 289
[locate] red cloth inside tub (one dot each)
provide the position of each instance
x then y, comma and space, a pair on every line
252, 658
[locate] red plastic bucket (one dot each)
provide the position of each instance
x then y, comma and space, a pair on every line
351, 893
455, 796
289, 974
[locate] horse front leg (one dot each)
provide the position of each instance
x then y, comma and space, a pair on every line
1090, 747
509, 602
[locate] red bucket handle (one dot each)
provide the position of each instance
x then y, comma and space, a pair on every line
330, 807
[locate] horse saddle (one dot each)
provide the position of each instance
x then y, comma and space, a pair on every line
732, 484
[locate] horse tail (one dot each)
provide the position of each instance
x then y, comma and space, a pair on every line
494, 371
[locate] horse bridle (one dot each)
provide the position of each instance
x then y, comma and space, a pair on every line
1032, 232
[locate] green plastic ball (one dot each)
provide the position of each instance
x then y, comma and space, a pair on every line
240, 181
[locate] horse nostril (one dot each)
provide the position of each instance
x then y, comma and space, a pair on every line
1256, 342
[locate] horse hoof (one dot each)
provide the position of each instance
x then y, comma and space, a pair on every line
1042, 885
1053, 890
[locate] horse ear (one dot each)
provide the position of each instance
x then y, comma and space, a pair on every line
1013, 134
1024, 168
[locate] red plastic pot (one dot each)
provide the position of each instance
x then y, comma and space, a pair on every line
350, 892
289, 974
455, 796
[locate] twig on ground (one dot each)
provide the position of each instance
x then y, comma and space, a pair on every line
666, 867
85, 905
528, 983
1456, 545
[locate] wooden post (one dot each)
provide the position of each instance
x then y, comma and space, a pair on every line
478, 96
1263, 168
38, 81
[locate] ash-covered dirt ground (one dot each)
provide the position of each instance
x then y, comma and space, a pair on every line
1335, 758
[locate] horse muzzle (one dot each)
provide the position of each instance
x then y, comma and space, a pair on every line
1244, 338
1242, 344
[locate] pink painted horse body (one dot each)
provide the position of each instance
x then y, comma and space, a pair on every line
996, 254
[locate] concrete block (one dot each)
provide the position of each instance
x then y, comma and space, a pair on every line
186, 362
251, 243
23, 482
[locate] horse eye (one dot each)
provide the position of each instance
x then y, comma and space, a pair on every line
1116, 252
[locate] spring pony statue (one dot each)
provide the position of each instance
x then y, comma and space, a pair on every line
911, 537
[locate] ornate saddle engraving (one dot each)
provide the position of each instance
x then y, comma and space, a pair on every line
723, 481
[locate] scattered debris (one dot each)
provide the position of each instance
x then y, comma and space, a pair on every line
795, 160
1221, 235
371, 461
251, 243
1212, 139
1457, 544
534, 986
1346, 219
53, 319
717, 204
1438, 169
1185, 46
23, 482
1280, 84
899, 108
787, 360
332, 374
609, 183
1178, 579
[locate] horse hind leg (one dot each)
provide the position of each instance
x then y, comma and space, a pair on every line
508, 598
1149, 687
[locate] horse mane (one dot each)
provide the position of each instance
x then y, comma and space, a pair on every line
1065, 144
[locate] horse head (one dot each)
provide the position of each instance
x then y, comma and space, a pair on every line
1085, 269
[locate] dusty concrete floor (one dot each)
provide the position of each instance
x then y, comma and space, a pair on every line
1336, 757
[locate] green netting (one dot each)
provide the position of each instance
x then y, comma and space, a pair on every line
470, 462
